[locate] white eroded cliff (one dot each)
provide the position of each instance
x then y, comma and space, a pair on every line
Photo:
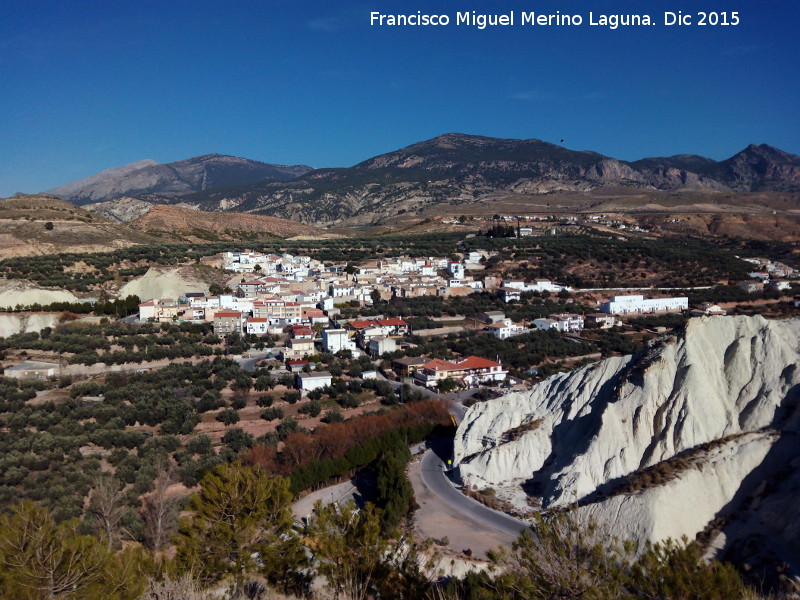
702, 409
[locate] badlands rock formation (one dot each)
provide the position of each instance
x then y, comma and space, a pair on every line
164, 282
702, 427
14, 323
20, 292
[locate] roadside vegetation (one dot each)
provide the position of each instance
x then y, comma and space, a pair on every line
239, 541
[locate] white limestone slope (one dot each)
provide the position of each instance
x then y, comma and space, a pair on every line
20, 292
13, 323
685, 505
724, 377
164, 282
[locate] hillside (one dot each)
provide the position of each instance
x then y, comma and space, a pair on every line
696, 433
454, 172
187, 224
24, 228
205, 172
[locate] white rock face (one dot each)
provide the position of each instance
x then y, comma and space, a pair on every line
164, 282
13, 323
686, 504
20, 292
593, 427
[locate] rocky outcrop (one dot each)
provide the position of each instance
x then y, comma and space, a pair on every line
120, 210
656, 445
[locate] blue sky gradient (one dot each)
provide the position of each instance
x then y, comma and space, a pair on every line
91, 85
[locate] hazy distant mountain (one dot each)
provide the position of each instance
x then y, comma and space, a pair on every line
457, 168
173, 179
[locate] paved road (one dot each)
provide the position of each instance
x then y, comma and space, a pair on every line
248, 360
435, 479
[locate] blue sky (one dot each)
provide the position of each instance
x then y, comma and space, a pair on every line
92, 85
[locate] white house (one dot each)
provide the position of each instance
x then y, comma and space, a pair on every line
506, 329
341, 291
603, 320
257, 325
313, 381
334, 340
32, 369
545, 324
381, 345
509, 294
778, 285
473, 258
567, 322
539, 285
427, 270
622, 305
456, 270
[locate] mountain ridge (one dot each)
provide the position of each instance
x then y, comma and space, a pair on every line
456, 168
460, 168
207, 171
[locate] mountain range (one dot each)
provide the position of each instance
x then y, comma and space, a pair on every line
450, 169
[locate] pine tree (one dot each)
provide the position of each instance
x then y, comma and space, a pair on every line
394, 494
242, 517
42, 560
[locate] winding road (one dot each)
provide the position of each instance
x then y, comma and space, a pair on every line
435, 479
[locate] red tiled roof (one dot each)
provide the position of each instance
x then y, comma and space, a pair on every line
257, 320
228, 314
437, 364
362, 324
476, 362
392, 322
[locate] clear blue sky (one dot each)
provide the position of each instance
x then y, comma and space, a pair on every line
92, 85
